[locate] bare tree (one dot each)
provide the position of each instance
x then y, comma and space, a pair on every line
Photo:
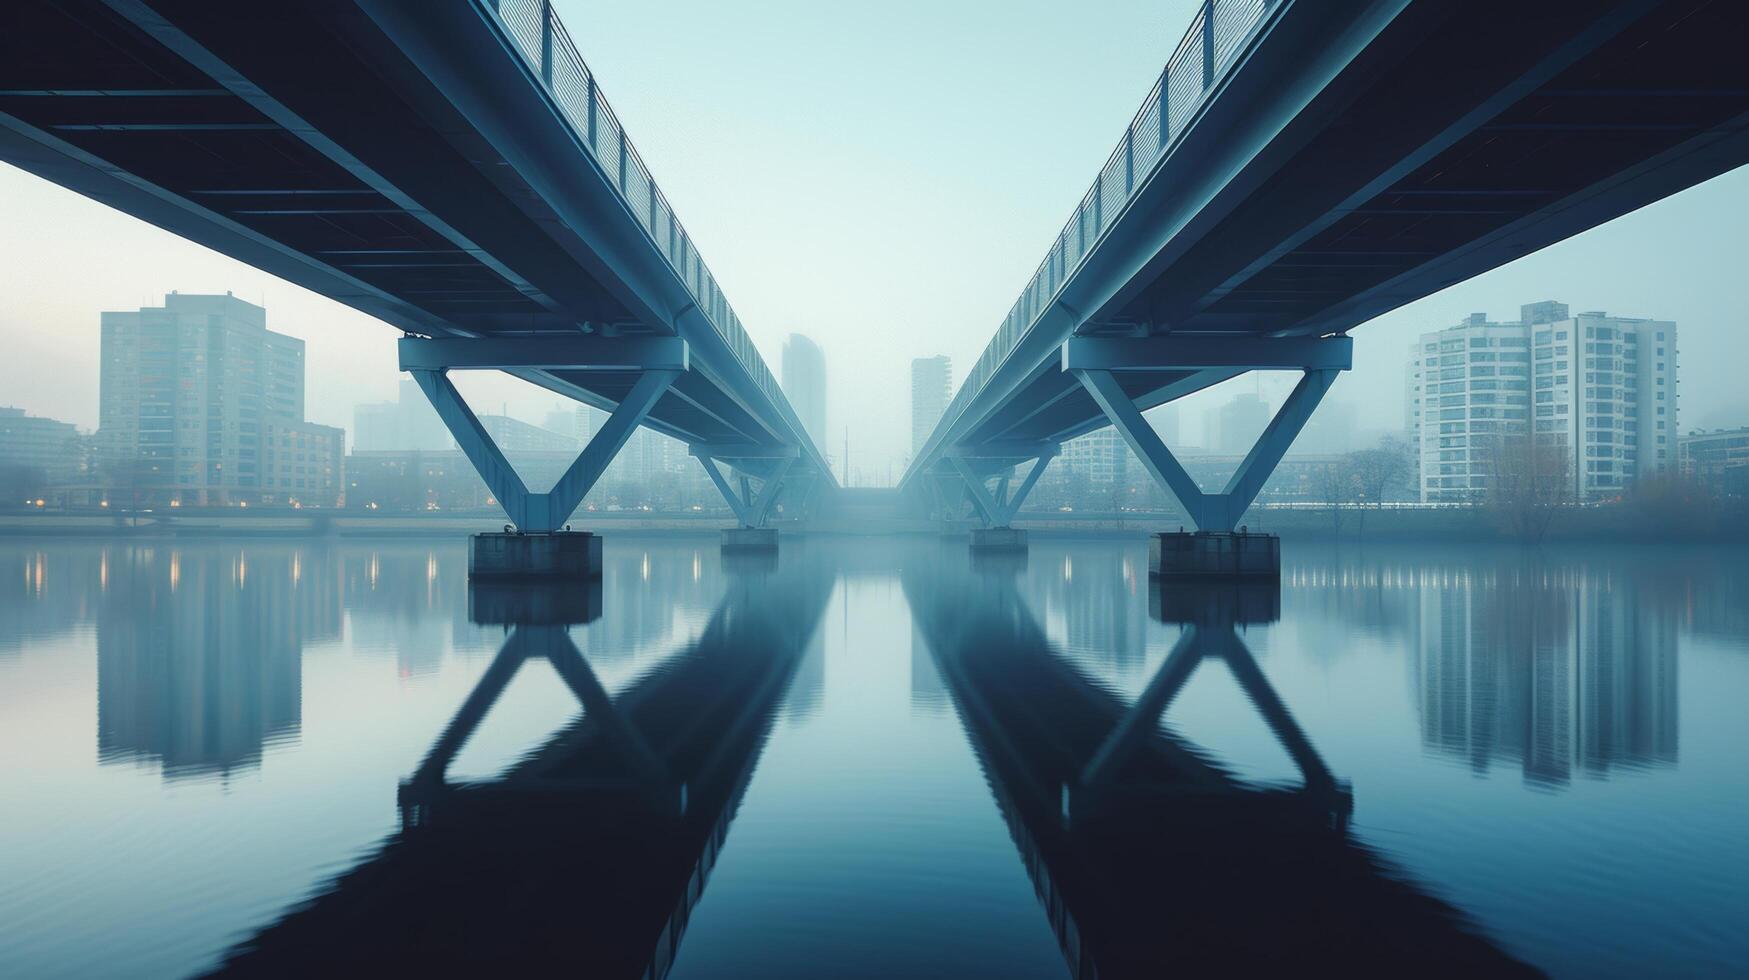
1374, 472
1334, 483
1530, 479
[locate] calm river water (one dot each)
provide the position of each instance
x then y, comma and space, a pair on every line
870, 758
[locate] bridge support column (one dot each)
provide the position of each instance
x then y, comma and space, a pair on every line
996, 508
771, 466
1215, 549
540, 545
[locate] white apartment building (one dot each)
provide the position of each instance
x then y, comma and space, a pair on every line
1604, 387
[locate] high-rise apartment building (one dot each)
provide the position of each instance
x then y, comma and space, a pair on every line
201, 404
804, 383
1601, 388
931, 380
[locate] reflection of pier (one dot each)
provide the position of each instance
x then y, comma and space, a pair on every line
1149, 856
589, 853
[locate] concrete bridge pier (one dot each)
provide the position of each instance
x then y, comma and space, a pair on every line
998, 539
1214, 554
514, 555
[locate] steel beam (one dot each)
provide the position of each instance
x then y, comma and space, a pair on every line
566, 494
751, 509
541, 512
1094, 361
476, 443
736, 504
998, 509
1207, 352
769, 491
1145, 442
1038, 469
1247, 481
988, 509
569, 353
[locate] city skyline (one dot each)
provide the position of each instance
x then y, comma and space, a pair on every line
783, 259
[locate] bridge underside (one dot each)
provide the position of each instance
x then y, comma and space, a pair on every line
1305, 199
402, 158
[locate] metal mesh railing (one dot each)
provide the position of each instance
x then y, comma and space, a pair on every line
535, 31
1216, 35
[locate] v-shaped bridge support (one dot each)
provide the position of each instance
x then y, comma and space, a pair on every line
659, 359
769, 465
1099, 364
975, 466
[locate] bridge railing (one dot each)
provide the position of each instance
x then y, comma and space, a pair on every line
1217, 33
537, 34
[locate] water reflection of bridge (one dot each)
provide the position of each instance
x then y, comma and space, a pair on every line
1149, 856
591, 851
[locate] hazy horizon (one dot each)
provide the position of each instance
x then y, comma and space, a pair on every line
879, 181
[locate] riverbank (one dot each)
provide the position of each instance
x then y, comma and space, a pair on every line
1614, 525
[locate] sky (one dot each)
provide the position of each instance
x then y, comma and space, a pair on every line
881, 177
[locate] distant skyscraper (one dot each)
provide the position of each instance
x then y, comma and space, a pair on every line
1238, 423
202, 404
804, 382
931, 380
408, 423
1601, 387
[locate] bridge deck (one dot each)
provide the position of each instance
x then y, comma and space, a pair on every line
1345, 159
450, 168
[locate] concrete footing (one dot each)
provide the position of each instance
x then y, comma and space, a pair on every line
1214, 555
750, 539
555, 555
998, 539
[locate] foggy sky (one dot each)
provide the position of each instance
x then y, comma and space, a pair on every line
883, 178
